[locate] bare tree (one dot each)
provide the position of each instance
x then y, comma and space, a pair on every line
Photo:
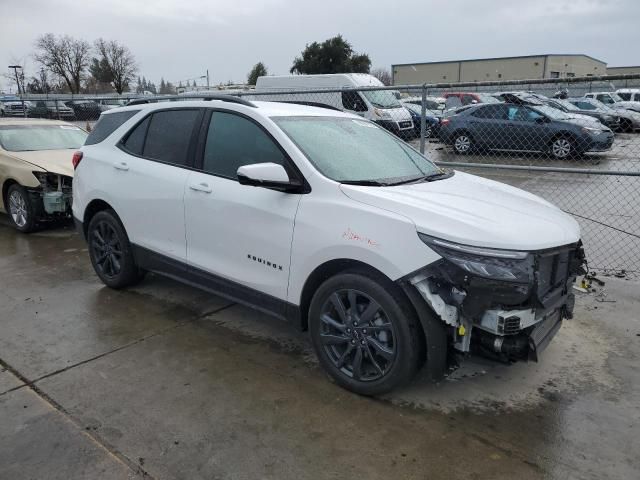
65, 57
119, 62
383, 75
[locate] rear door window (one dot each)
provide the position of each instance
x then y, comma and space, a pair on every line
107, 124
492, 112
169, 135
134, 141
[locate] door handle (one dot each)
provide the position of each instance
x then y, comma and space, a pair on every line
201, 187
121, 166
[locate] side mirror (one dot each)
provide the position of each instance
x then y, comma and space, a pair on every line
268, 175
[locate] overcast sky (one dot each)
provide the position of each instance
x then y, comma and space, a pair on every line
180, 39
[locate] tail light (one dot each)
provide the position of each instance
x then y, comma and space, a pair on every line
76, 159
444, 121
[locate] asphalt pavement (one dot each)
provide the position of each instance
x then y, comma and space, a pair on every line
164, 381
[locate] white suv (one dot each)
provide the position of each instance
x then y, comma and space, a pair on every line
325, 219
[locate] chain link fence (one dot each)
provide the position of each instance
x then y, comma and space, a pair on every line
572, 141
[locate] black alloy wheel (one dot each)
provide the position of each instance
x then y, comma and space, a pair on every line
106, 249
357, 335
110, 251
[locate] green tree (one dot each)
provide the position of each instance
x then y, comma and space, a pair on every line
118, 61
334, 55
258, 70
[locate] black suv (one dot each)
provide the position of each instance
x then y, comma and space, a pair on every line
527, 128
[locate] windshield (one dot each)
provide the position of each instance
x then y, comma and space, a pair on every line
52, 103
354, 150
616, 97
551, 112
26, 138
565, 103
485, 98
381, 98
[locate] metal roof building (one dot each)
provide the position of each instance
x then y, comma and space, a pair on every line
499, 68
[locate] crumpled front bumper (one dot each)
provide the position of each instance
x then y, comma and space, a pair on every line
507, 321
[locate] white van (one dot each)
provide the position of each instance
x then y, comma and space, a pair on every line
629, 94
380, 106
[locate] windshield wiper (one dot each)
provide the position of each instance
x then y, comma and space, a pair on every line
425, 178
367, 183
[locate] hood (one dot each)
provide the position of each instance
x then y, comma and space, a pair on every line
635, 106
582, 120
54, 161
474, 211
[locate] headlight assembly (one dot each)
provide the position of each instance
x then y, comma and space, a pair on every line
492, 263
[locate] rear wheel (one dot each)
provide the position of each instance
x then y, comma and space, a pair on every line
462, 143
364, 333
110, 251
21, 209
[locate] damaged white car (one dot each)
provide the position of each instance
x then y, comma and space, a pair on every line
327, 220
36, 171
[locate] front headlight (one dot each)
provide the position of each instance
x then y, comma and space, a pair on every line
591, 130
381, 113
492, 263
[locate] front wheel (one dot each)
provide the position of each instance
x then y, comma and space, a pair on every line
110, 251
562, 148
364, 333
22, 211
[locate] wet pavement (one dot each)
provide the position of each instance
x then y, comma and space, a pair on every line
165, 381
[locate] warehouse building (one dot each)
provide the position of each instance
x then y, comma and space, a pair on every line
623, 70
501, 68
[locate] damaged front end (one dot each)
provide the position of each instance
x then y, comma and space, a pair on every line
54, 195
505, 304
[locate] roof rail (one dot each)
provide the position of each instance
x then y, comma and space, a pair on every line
205, 97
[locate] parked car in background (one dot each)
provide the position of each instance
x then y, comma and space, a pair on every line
609, 118
629, 119
50, 109
457, 99
35, 169
629, 94
432, 103
85, 109
321, 218
432, 121
12, 106
110, 103
530, 98
613, 100
380, 106
526, 128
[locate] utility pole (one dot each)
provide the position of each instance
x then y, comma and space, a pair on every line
15, 71
207, 79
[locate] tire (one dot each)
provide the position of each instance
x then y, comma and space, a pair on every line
23, 213
428, 133
383, 338
626, 126
462, 143
110, 251
562, 148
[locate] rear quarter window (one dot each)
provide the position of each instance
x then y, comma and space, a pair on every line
107, 124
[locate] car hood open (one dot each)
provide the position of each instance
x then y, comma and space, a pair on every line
475, 211
54, 161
